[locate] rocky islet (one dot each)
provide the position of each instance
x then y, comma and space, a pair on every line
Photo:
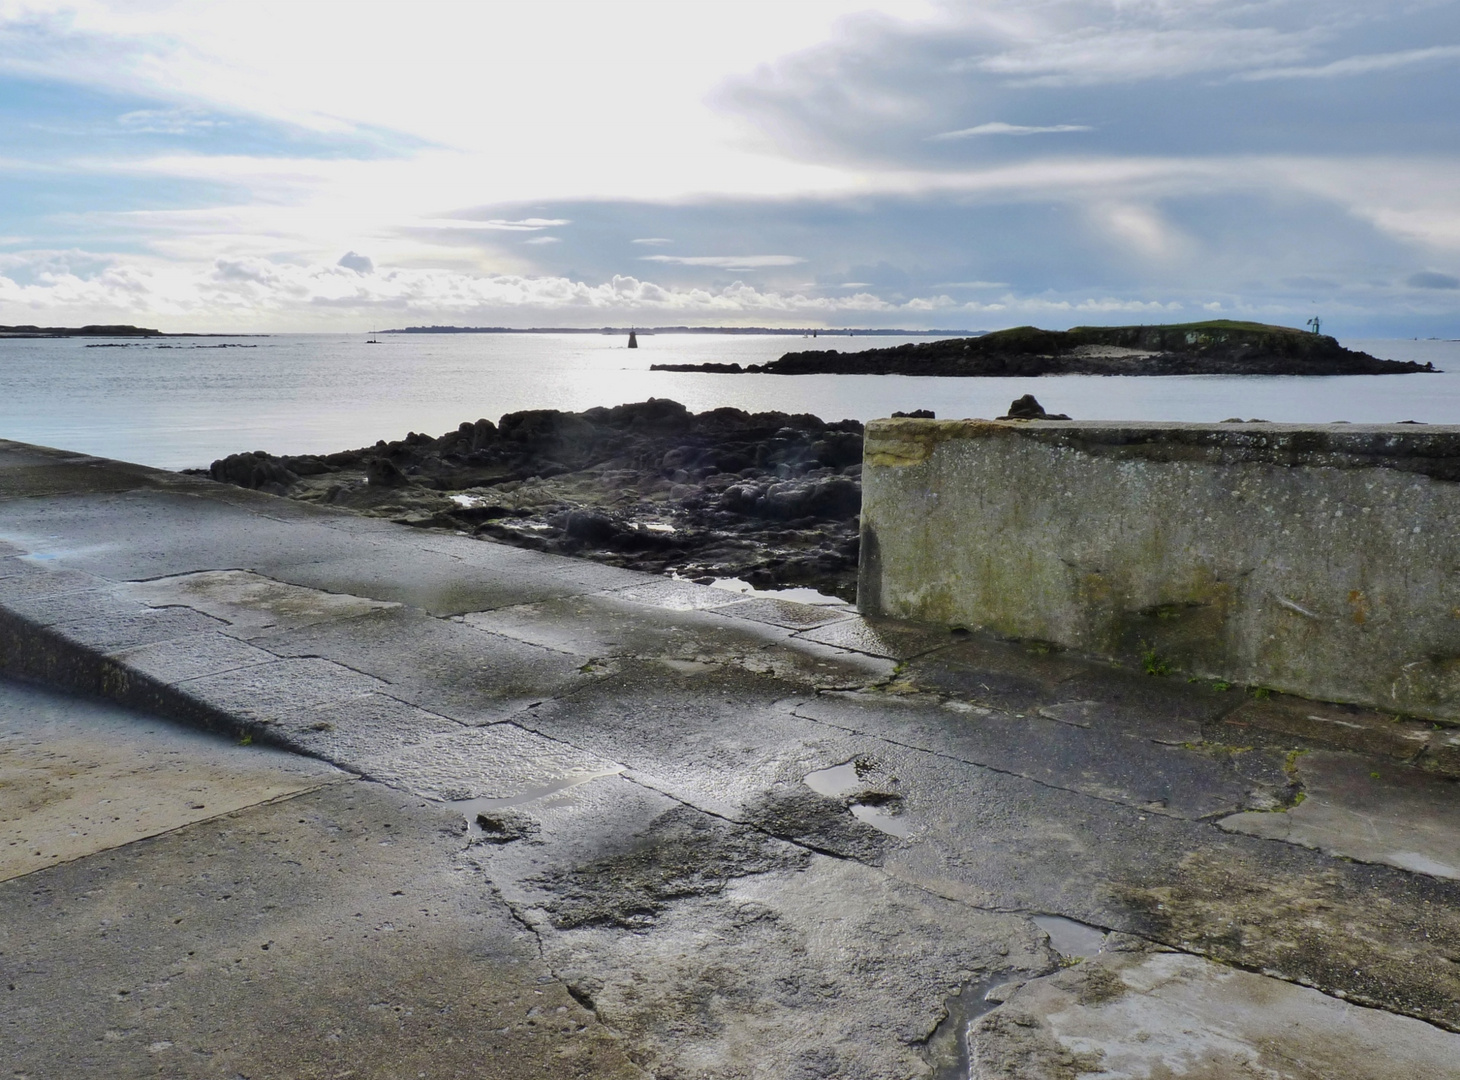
1217, 347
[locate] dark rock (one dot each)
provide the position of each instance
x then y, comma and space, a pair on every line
382, 472
253, 470
647, 485
1027, 408
916, 414
1217, 347
590, 527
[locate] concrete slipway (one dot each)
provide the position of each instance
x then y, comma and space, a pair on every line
339, 798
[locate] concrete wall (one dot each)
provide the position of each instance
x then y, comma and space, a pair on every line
1317, 560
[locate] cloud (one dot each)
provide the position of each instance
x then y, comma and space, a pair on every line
180, 121
653, 241
544, 240
361, 264
997, 127
1096, 54
494, 224
1356, 65
1429, 279
727, 262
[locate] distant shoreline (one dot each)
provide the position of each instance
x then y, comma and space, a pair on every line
806, 331
32, 333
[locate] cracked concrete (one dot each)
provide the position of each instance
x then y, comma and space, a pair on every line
592, 784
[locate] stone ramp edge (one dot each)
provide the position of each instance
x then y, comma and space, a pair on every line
41, 655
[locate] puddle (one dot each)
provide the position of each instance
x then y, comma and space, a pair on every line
948, 1048
882, 819
835, 781
468, 502
1072, 940
471, 809
878, 809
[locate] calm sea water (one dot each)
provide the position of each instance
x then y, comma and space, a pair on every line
308, 393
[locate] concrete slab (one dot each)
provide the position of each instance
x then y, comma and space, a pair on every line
675, 595
250, 603
1370, 809
117, 536
442, 665
1099, 761
78, 777
25, 578
651, 910
1324, 724
785, 613
502, 761
1152, 1015
880, 637
1004, 842
331, 934
607, 625
719, 738
273, 693
192, 656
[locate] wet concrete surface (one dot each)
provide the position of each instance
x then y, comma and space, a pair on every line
722, 836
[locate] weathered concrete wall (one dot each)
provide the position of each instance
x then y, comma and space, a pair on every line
1318, 560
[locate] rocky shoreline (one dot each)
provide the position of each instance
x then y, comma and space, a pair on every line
1208, 348
770, 498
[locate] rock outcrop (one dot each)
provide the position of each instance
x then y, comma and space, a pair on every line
770, 498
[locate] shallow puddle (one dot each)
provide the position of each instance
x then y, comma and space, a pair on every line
882, 819
948, 1048
835, 781
879, 809
1072, 940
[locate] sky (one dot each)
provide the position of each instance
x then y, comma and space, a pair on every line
241, 166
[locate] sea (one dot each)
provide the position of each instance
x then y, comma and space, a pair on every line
182, 402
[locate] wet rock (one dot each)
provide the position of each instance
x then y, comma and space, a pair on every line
503, 827
1028, 408
382, 472
254, 470
590, 527
768, 497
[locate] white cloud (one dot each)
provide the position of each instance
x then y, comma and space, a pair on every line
544, 240
1357, 65
498, 224
181, 121
1094, 54
998, 127
727, 262
653, 241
